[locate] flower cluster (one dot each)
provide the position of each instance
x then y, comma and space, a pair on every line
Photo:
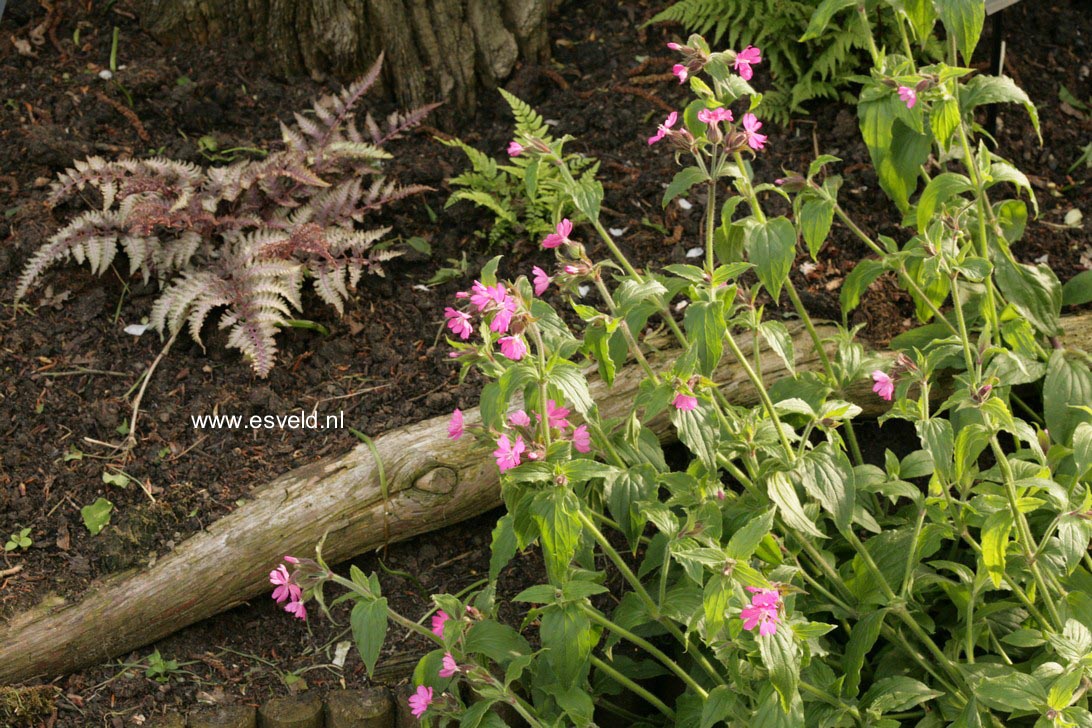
681, 138
764, 611
288, 589
519, 444
497, 305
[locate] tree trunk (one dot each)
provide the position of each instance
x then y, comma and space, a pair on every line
434, 49
431, 482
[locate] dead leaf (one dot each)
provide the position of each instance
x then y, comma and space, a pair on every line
64, 538
23, 47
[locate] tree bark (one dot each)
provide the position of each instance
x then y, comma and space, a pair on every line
434, 49
431, 482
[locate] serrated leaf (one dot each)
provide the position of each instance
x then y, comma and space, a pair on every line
705, 326
827, 476
781, 656
719, 705
816, 217
963, 19
97, 515
783, 494
684, 179
369, 624
771, 248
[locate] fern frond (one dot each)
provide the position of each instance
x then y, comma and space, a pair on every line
528, 121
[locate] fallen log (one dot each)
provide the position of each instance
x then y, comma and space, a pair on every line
432, 482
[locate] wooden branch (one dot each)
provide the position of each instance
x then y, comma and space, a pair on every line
432, 482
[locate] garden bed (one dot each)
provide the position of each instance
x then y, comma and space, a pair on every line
68, 362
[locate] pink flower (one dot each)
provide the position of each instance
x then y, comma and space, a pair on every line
556, 415
419, 701
561, 235
713, 116
582, 439
296, 609
513, 347
508, 452
674, 46
450, 666
503, 316
664, 128
685, 402
291, 559
680, 71
884, 385
458, 322
519, 418
438, 621
286, 588
908, 95
455, 427
515, 149
745, 59
763, 611
751, 125
541, 281
483, 296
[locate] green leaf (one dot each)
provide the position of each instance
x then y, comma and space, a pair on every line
781, 657
857, 282
715, 600
743, 542
1068, 382
783, 494
995, 541
369, 623
816, 217
995, 90
771, 247
698, 430
684, 179
937, 438
1062, 689
770, 714
503, 546
894, 694
822, 15
1082, 448
718, 706
1078, 289
897, 151
939, 190
568, 637
499, 642
1074, 643
704, 321
1034, 291
963, 19
588, 196
1011, 691
554, 512
97, 515
624, 492
861, 641
569, 379
944, 120
777, 337
827, 476
474, 715
922, 15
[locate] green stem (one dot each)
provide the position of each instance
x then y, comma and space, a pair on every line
964, 337
830, 699
912, 553
648, 647
902, 272
543, 393
1027, 541
760, 387
632, 687
828, 367
626, 333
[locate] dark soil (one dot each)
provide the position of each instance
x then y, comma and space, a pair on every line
68, 366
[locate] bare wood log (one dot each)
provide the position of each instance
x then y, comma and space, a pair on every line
435, 49
432, 482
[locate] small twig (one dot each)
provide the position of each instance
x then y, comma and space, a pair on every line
12, 571
644, 94
130, 440
83, 370
128, 113
196, 442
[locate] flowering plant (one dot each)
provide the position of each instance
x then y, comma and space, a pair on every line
769, 575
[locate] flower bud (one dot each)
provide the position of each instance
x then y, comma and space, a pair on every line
792, 183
